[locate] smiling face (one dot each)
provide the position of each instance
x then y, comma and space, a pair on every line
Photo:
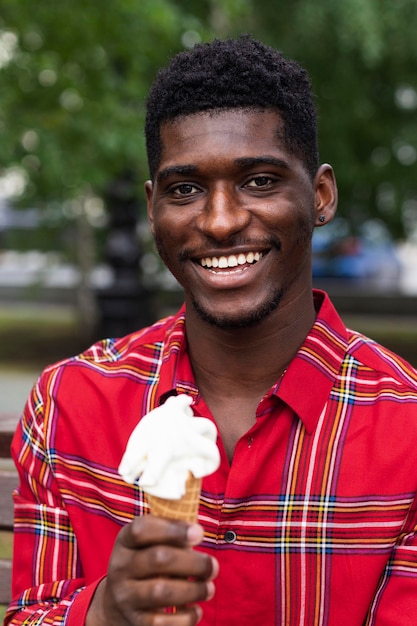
232, 212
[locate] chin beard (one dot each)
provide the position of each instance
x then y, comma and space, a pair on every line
248, 320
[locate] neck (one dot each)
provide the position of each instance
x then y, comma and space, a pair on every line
248, 360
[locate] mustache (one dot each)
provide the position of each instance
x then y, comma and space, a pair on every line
215, 248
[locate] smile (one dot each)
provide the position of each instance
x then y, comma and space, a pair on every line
230, 261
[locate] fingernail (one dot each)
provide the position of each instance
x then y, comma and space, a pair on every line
210, 590
215, 567
199, 612
195, 534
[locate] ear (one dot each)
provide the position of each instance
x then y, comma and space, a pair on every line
325, 195
149, 204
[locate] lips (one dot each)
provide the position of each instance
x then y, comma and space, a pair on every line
231, 260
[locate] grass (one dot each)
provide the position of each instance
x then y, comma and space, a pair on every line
397, 333
6, 548
33, 337
6, 545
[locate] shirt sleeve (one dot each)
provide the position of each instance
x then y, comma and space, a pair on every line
47, 582
395, 602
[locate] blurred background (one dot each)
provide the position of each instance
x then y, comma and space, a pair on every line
76, 259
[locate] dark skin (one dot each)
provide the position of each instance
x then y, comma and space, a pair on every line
227, 185
149, 569
232, 211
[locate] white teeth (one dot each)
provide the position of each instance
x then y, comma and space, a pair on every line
224, 262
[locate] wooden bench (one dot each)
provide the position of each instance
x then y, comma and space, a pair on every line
8, 482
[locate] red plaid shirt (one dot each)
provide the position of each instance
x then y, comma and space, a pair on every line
314, 523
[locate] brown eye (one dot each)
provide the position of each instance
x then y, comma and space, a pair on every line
259, 181
185, 189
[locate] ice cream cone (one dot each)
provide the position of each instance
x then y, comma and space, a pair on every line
168, 444
186, 508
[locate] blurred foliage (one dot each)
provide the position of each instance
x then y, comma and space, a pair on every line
74, 85
362, 57
73, 92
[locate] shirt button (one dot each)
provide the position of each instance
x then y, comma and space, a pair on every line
230, 536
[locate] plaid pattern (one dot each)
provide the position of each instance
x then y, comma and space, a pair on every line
314, 523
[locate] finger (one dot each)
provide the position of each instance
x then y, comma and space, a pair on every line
162, 561
149, 530
161, 593
169, 561
173, 616
138, 602
179, 617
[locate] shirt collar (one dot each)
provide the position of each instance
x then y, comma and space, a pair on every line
309, 378
176, 375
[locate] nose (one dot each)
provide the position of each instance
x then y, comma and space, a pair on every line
222, 215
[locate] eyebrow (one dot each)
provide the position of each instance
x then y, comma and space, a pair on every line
243, 162
182, 170
261, 160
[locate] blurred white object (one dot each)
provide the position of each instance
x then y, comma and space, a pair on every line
167, 444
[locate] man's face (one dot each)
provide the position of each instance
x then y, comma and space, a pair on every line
232, 212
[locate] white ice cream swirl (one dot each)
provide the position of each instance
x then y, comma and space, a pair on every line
167, 444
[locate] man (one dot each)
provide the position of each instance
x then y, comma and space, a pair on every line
310, 519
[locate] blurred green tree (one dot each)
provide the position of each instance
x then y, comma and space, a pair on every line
362, 57
74, 75
73, 79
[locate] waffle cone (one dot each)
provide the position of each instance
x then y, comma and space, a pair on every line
186, 508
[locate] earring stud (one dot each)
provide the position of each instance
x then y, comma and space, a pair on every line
322, 218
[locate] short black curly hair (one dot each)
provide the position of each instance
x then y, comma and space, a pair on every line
230, 74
